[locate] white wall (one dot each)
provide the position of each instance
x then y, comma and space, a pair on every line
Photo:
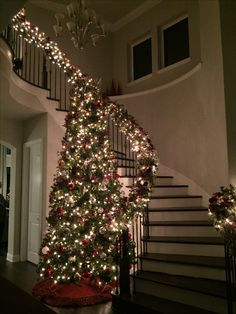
185, 118
228, 31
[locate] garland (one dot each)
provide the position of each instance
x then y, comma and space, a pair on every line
222, 211
85, 87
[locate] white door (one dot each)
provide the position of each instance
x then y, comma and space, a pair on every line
35, 201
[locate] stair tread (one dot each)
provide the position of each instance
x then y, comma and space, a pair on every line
157, 177
124, 158
118, 152
151, 304
63, 110
206, 286
175, 196
169, 186
210, 261
187, 208
180, 223
193, 240
161, 176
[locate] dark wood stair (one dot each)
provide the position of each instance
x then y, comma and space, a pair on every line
207, 286
192, 240
209, 261
141, 303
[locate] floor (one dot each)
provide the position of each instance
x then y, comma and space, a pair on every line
23, 275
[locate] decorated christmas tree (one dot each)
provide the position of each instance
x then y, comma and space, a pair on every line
85, 201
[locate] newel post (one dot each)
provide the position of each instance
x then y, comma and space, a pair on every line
124, 264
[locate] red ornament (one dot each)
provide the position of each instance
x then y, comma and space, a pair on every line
85, 242
59, 249
48, 272
70, 185
61, 164
60, 211
116, 175
86, 274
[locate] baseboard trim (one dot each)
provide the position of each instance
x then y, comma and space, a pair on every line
13, 258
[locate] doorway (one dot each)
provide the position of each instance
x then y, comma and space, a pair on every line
31, 201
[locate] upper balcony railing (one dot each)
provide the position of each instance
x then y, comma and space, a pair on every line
32, 65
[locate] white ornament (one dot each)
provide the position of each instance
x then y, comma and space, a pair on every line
45, 250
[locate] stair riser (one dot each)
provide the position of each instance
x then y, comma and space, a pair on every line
126, 181
163, 181
126, 171
175, 202
186, 249
197, 299
156, 191
184, 270
178, 216
185, 231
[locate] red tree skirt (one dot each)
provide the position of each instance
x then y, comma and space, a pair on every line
70, 294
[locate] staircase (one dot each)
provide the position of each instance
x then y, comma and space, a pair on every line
181, 268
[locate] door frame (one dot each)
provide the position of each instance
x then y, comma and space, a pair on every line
25, 196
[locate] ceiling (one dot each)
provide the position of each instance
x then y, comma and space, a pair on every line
115, 12
110, 10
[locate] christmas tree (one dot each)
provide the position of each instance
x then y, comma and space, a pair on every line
86, 201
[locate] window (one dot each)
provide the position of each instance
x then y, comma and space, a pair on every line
141, 58
175, 42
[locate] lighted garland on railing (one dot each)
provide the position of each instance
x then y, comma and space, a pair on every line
147, 161
88, 208
82, 84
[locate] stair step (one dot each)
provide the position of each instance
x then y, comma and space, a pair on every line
178, 213
204, 246
185, 265
179, 209
192, 240
163, 180
167, 190
175, 201
204, 293
189, 223
183, 228
125, 159
207, 286
119, 153
140, 303
210, 261
63, 110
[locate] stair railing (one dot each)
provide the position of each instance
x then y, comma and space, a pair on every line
230, 268
32, 64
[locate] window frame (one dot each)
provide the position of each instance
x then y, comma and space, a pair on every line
161, 58
132, 45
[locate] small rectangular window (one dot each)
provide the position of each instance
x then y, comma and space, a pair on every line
175, 44
141, 58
